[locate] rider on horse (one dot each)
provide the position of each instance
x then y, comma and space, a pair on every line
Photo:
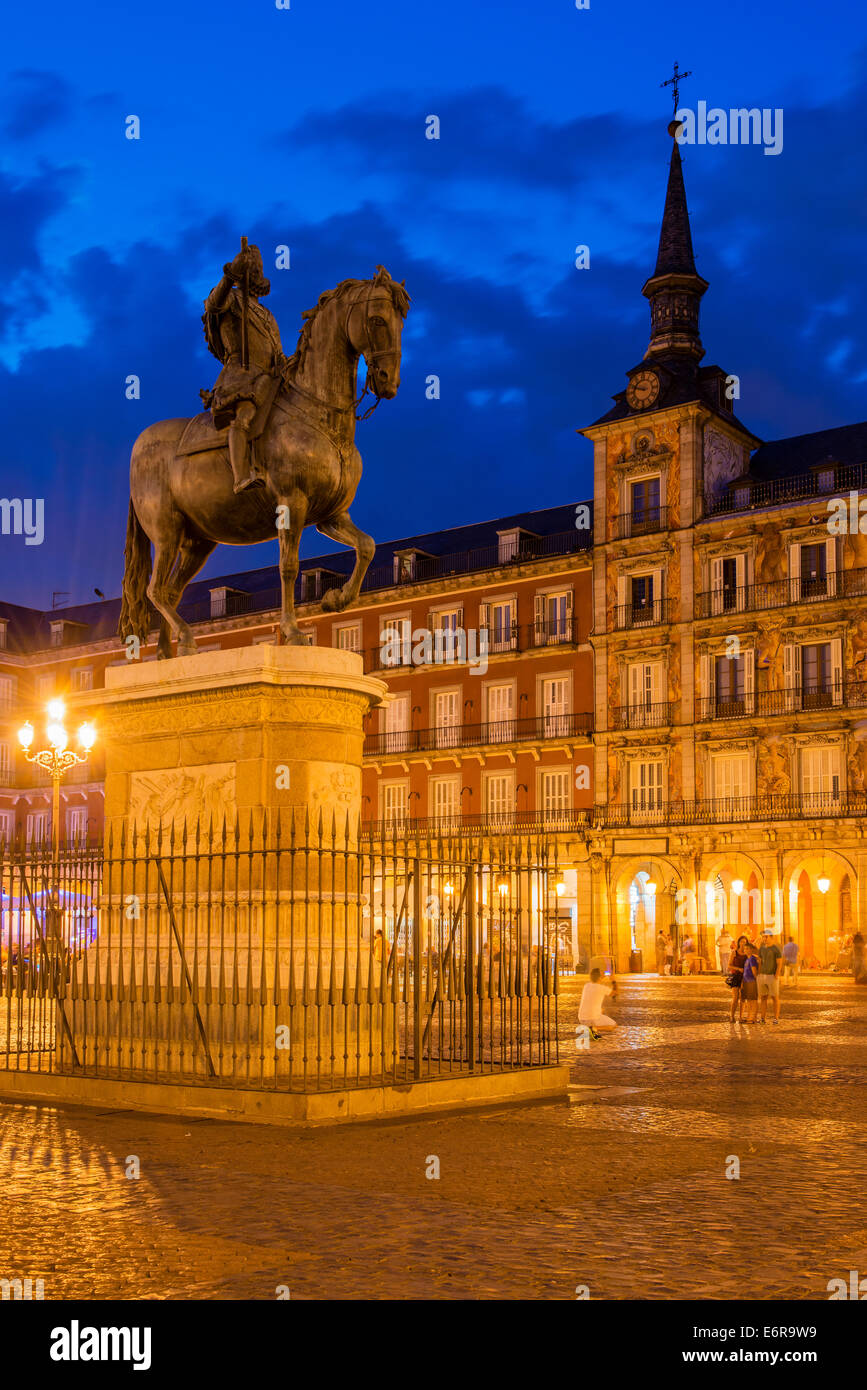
243, 335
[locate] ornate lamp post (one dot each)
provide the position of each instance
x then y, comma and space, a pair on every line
57, 759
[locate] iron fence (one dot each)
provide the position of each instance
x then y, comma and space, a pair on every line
285, 955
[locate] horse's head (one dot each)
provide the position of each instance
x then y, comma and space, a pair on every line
373, 327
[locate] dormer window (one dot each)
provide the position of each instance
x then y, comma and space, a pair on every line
63, 632
4, 634
514, 544
315, 583
225, 601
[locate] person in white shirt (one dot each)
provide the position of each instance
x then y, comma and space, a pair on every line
590, 1009
724, 944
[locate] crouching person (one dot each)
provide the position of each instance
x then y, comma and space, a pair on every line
590, 1009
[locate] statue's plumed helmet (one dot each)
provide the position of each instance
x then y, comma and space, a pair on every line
251, 258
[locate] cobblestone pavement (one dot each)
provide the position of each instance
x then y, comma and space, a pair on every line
621, 1188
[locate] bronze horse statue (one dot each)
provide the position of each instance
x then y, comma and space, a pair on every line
185, 505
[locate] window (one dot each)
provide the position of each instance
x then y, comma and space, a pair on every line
731, 778
8, 689
816, 675
645, 505
349, 638
645, 787
395, 724
499, 793
76, 824
45, 685
37, 827
820, 775
225, 601
56, 634
642, 598
444, 625
265, 639
81, 678
501, 713
447, 718
728, 584
7, 826
555, 706
644, 687
813, 570
444, 797
500, 620
395, 639
4, 631
394, 799
5, 764
553, 618
555, 790
729, 685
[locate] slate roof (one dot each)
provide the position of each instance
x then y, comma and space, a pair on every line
786, 458
675, 254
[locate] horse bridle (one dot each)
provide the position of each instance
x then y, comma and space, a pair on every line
371, 354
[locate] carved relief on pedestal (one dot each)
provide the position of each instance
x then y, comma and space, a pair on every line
335, 791
772, 768
172, 796
723, 461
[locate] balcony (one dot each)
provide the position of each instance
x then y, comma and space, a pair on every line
632, 615
647, 716
450, 648
639, 522
397, 743
826, 481
781, 593
796, 806
848, 694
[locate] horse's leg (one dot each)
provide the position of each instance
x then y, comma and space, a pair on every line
192, 554
295, 508
343, 529
160, 589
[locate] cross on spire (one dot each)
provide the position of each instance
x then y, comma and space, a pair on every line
674, 81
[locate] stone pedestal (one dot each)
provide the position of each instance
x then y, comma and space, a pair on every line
231, 732
213, 942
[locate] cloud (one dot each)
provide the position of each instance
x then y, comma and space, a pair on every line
33, 102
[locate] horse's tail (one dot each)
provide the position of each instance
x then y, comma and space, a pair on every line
135, 618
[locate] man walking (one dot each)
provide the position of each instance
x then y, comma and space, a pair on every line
790, 960
660, 952
770, 965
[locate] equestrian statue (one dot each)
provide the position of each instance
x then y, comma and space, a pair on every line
272, 452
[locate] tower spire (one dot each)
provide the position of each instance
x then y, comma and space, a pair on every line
675, 288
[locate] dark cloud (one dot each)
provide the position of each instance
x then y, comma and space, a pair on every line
34, 101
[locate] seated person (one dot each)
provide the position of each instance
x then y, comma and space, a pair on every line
590, 1009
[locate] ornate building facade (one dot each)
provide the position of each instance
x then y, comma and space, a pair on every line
671, 679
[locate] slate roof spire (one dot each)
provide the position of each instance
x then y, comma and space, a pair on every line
675, 288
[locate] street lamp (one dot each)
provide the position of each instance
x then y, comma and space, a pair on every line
823, 883
737, 886
58, 758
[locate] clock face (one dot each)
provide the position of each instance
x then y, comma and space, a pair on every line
643, 389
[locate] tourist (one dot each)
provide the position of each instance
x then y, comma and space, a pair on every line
377, 944
590, 1009
859, 968
724, 943
669, 954
750, 987
737, 961
790, 960
687, 955
660, 952
769, 975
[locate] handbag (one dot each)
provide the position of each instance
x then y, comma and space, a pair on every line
735, 979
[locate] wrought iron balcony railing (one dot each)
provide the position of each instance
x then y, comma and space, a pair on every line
823, 481
401, 741
641, 521
795, 806
456, 647
781, 593
644, 716
849, 694
632, 615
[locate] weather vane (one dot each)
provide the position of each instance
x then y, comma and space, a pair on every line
674, 81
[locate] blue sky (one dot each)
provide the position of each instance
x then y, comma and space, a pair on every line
306, 126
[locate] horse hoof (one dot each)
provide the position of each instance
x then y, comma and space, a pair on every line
331, 601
